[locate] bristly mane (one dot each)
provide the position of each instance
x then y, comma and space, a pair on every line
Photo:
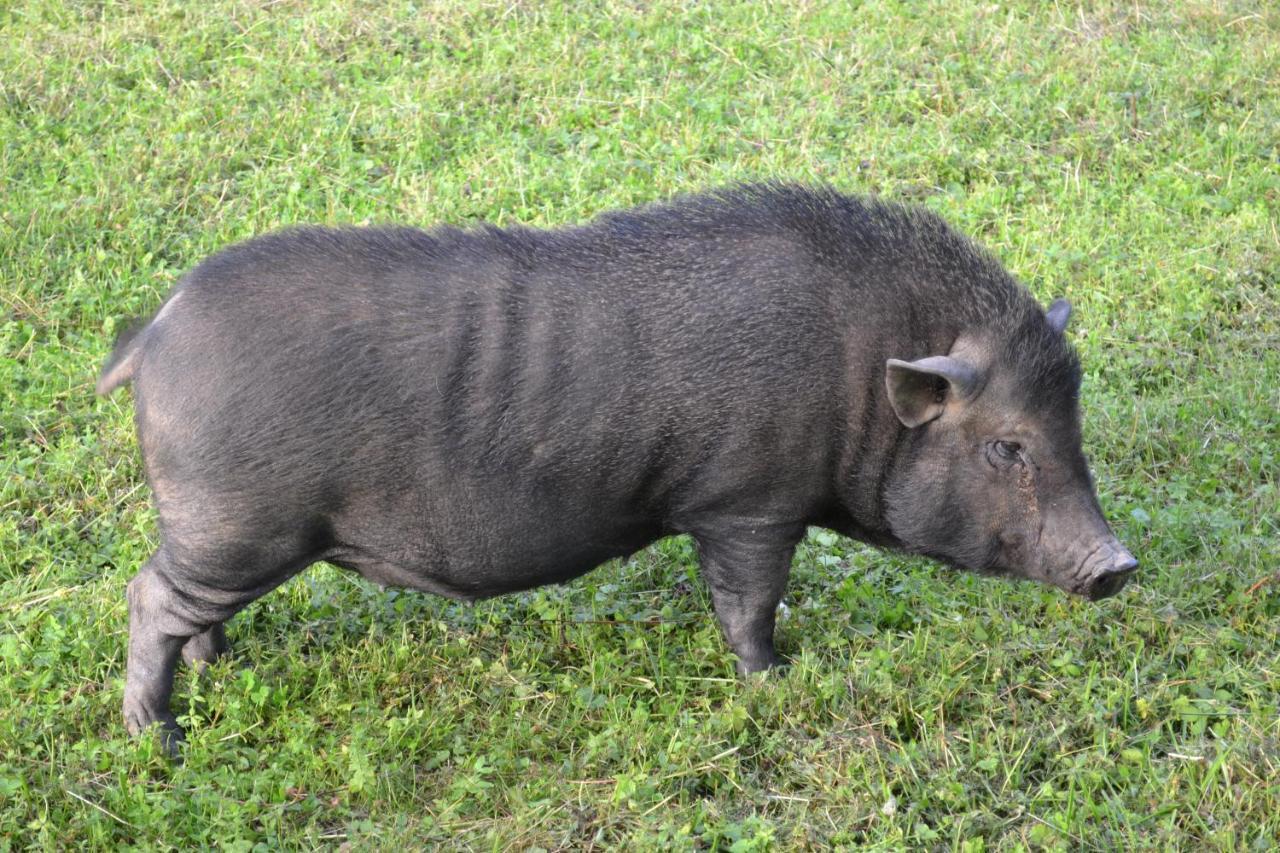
947, 275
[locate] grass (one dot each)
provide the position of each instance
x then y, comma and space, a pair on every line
1126, 154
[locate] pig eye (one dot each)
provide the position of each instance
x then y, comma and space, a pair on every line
1008, 450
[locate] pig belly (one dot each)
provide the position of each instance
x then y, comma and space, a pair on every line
491, 561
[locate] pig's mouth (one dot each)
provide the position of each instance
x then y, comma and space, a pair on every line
1102, 578
1106, 584
1107, 571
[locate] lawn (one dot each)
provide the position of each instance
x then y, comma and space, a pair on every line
1125, 154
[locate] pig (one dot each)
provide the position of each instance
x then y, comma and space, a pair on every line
475, 412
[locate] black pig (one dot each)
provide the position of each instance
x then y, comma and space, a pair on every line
476, 412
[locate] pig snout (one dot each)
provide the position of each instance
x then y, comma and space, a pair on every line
1112, 567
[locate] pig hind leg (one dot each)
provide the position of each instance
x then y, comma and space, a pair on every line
160, 624
171, 617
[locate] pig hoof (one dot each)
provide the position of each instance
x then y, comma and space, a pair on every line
138, 721
205, 648
760, 662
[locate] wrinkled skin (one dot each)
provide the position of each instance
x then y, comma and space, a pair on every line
473, 413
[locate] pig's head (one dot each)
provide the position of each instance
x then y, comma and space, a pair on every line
991, 476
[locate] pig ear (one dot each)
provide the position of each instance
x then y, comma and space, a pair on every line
1058, 314
918, 390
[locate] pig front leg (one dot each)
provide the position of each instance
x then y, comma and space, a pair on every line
747, 577
206, 647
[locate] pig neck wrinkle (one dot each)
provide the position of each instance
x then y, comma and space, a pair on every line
866, 473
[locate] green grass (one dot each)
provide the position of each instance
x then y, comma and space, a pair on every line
1125, 154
